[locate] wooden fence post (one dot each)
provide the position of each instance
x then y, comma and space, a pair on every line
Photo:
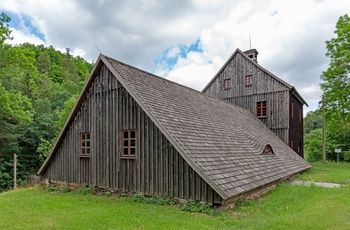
14, 171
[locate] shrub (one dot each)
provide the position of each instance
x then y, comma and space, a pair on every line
194, 206
140, 198
52, 189
87, 189
346, 156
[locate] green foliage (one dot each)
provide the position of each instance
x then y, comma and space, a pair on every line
35, 83
194, 206
346, 155
6, 175
313, 145
5, 32
312, 121
336, 88
44, 149
52, 189
87, 189
140, 198
63, 115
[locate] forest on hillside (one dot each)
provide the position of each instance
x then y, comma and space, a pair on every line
38, 87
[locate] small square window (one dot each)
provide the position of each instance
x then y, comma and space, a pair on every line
261, 109
85, 149
128, 144
248, 80
227, 84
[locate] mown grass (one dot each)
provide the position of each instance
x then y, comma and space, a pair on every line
286, 207
328, 172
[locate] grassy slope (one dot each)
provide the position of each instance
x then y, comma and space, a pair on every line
287, 207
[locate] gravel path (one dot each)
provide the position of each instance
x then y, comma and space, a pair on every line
321, 184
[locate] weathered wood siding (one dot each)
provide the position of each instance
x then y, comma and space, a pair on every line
264, 87
158, 168
296, 126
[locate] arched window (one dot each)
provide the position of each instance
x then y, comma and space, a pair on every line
267, 150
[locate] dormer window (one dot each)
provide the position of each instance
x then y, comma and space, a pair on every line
268, 150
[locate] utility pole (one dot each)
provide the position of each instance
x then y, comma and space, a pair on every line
14, 171
323, 133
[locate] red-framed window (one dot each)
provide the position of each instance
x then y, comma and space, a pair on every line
248, 80
293, 109
227, 84
261, 109
128, 144
85, 144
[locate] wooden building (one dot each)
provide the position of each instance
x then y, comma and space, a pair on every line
132, 131
243, 82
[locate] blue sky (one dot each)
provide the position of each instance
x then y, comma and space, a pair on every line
169, 57
187, 41
24, 22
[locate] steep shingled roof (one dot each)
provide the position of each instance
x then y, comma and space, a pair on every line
222, 142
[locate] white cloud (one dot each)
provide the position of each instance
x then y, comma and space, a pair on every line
290, 35
22, 37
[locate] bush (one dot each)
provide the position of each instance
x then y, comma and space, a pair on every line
6, 175
194, 206
346, 156
140, 198
87, 189
313, 145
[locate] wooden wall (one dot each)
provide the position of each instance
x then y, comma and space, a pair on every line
296, 126
158, 168
263, 88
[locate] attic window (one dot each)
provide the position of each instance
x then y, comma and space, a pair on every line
248, 80
128, 144
85, 144
227, 84
261, 109
267, 149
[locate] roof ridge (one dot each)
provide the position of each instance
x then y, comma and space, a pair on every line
152, 74
173, 82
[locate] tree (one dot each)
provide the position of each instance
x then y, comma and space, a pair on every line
38, 88
5, 32
312, 121
336, 86
313, 145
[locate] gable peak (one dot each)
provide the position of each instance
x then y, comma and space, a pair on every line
252, 54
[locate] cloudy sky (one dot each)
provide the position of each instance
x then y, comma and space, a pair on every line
188, 41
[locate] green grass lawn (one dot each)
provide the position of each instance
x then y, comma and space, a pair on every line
329, 172
286, 207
